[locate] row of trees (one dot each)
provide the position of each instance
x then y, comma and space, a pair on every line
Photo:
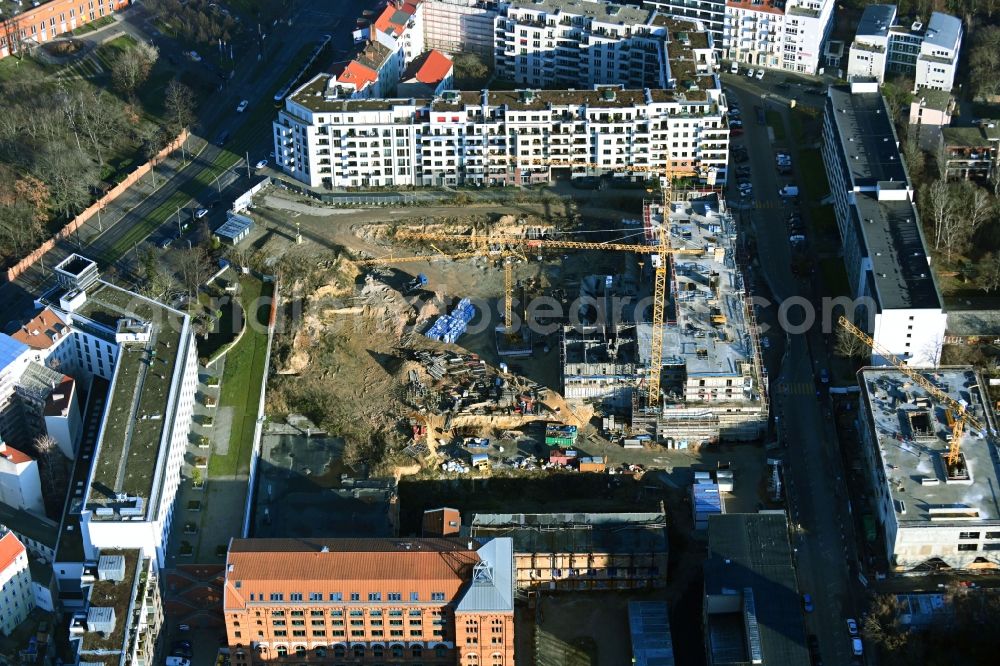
58, 145
199, 21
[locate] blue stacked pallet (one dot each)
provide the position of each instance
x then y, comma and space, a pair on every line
449, 328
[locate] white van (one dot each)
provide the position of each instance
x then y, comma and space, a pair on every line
789, 191
734, 68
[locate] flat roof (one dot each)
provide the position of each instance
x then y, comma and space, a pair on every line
931, 98
895, 246
649, 626
974, 323
10, 350
751, 550
966, 137
912, 429
30, 525
605, 12
865, 130
135, 422
876, 21
118, 595
575, 532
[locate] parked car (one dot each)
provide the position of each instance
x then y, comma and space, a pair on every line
788, 192
824, 375
200, 213
760, 74
807, 602
750, 73
734, 68
797, 238
856, 647
194, 56
242, 106
261, 164
852, 627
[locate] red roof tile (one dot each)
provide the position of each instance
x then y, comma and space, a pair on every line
42, 331
17, 457
357, 75
435, 68
10, 548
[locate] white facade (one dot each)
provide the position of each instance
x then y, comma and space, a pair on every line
62, 418
754, 33
459, 25
16, 594
885, 45
557, 43
20, 485
929, 516
888, 267
14, 359
465, 138
807, 26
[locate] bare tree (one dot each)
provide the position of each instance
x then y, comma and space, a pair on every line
131, 69
179, 102
849, 346
989, 272
940, 204
67, 175
53, 464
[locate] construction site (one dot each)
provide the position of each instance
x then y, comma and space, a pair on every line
631, 324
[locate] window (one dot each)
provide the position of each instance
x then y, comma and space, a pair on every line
355, 596
968, 546
336, 596
437, 596
968, 535
374, 596
299, 632
414, 596
316, 613
315, 596
300, 650
278, 623
337, 613
281, 632
282, 651
395, 596
296, 613
993, 535
277, 596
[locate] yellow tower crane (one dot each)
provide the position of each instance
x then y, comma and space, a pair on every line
667, 173
961, 416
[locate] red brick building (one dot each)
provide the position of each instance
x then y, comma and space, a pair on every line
37, 25
370, 601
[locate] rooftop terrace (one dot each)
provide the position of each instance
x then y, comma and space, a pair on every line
118, 595
913, 430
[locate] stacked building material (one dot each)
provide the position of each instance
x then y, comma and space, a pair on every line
450, 327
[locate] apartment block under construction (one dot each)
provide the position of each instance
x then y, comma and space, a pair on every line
713, 384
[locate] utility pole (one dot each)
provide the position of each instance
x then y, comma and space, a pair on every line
152, 171
178, 222
248, 166
100, 225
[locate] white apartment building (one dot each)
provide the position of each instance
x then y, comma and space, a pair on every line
549, 43
884, 249
779, 34
498, 138
931, 514
460, 25
16, 595
146, 350
886, 43
20, 485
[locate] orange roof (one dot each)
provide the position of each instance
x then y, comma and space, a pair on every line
10, 548
357, 75
13, 455
304, 565
435, 68
42, 331
393, 19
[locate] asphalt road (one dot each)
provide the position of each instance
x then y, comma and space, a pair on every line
814, 475
251, 81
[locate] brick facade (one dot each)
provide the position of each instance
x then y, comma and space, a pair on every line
37, 25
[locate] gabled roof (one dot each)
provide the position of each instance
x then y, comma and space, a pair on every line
393, 19
10, 548
42, 331
434, 68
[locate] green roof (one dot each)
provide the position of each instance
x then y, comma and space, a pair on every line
116, 595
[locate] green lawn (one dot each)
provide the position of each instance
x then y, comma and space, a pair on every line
802, 118
259, 117
94, 25
777, 124
242, 380
813, 175
13, 68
